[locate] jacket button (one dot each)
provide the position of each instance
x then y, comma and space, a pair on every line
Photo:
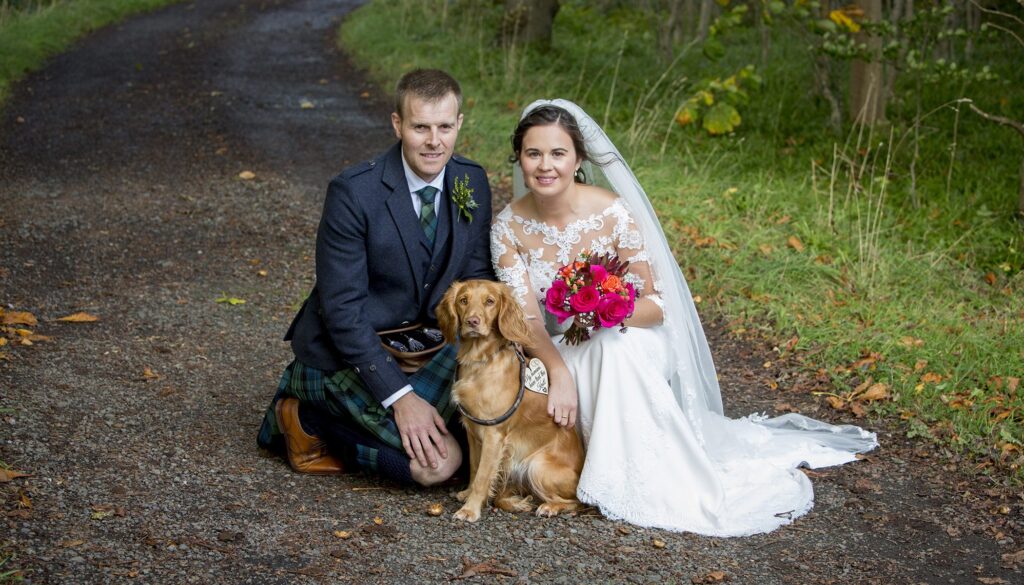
426, 285
356, 369
373, 368
387, 359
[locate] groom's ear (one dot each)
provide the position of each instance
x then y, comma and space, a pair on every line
458, 124
396, 123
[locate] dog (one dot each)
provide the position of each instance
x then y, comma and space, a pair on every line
527, 455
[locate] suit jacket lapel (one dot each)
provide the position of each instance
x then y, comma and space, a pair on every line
400, 206
459, 227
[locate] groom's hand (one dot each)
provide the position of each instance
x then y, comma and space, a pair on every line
421, 428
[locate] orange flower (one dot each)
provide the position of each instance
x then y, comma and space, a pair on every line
611, 284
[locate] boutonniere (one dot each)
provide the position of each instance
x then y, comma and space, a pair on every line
462, 196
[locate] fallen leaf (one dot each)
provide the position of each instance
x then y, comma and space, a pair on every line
836, 402
247, 175
990, 278
657, 543
795, 243
624, 530
24, 501
857, 410
230, 300
1012, 383
489, 567
1014, 558
435, 510
909, 341
712, 577
101, 514
877, 391
953, 532
261, 273
765, 249
992, 580
378, 520
364, 95
7, 475
343, 534
19, 318
306, 104
931, 378
80, 317
920, 365
149, 375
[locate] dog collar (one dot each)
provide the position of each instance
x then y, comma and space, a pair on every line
490, 422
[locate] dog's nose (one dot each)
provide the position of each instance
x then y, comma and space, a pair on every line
473, 321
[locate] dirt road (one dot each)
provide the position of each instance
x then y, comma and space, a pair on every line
121, 197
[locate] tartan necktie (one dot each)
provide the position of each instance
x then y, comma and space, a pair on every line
428, 218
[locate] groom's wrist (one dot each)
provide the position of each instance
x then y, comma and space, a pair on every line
387, 402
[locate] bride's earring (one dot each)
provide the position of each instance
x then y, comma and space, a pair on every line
580, 176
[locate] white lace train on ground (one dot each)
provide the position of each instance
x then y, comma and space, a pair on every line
647, 465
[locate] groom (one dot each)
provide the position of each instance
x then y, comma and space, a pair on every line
395, 233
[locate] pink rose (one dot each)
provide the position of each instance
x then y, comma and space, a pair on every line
632, 293
585, 300
598, 274
613, 310
554, 302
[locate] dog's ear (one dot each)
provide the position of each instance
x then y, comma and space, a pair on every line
511, 318
447, 317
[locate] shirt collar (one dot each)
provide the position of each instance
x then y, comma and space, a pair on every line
416, 183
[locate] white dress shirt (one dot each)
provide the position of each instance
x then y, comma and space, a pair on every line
415, 184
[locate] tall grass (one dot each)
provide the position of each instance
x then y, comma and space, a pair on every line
31, 31
869, 270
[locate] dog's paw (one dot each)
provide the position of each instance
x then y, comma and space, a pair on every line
462, 495
467, 514
548, 510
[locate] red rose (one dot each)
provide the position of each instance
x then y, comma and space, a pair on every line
613, 310
554, 302
585, 300
598, 274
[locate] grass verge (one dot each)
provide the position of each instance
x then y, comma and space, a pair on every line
33, 31
878, 276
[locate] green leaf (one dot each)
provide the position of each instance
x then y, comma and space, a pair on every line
714, 49
230, 300
776, 6
721, 118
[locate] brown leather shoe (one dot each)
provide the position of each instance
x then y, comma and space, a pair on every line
306, 453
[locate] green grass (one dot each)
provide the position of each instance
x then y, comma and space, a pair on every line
890, 284
31, 31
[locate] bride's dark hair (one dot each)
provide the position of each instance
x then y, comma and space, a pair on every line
546, 116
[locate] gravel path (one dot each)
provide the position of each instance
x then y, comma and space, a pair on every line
120, 197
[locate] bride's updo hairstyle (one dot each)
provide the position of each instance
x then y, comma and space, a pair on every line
549, 115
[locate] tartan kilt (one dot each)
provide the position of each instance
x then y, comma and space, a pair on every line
343, 395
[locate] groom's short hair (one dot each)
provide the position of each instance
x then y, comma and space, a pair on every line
427, 84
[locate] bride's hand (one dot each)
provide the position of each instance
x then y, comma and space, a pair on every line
562, 399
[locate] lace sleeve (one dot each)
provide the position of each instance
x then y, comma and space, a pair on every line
508, 264
629, 245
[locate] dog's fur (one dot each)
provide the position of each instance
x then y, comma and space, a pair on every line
528, 453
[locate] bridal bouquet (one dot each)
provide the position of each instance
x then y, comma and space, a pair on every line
592, 291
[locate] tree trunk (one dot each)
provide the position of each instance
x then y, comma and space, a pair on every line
704, 23
668, 30
529, 21
867, 86
1020, 192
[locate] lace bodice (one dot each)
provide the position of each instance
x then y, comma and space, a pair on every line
527, 253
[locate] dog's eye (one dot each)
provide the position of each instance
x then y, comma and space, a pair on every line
463, 301
490, 301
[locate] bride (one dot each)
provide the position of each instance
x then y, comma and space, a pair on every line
660, 452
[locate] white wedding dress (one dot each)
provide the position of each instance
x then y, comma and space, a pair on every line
660, 453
